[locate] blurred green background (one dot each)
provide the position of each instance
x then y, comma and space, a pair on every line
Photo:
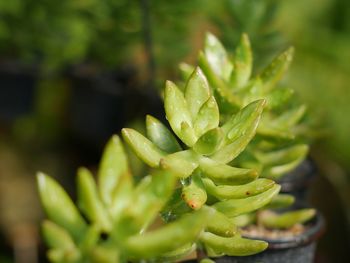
72, 73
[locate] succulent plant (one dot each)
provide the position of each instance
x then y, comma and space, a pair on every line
201, 162
275, 150
114, 217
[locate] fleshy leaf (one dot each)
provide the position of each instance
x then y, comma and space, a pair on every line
207, 117
59, 208
181, 164
209, 142
169, 237
223, 192
89, 200
220, 224
228, 102
178, 114
113, 165
243, 63
225, 174
286, 219
217, 57
194, 193
235, 207
196, 92
276, 69
147, 200
146, 150
159, 134
233, 246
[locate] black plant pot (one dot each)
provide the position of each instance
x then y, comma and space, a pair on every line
17, 90
297, 249
297, 182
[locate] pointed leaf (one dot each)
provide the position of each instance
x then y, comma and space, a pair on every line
209, 142
207, 117
224, 192
275, 71
280, 201
194, 193
58, 206
233, 246
178, 114
220, 224
243, 63
244, 122
228, 102
148, 199
186, 70
196, 92
181, 164
278, 97
286, 219
143, 148
113, 165
217, 57
235, 207
225, 174
159, 134
56, 236
169, 237
90, 202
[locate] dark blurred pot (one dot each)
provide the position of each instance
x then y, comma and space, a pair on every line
298, 181
17, 90
300, 248
104, 101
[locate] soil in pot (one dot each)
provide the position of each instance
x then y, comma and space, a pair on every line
296, 244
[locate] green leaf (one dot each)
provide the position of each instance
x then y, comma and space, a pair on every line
196, 92
185, 70
235, 207
147, 200
90, 202
169, 237
59, 207
143, 148
228, 102
209, 142
225, 174
178, 114
286, 219
113, 165
194, 193
243, 63
240, 130
224, 192
217, 57
278, 97
159, 134
244, 219
245, 122
289, 118
280, 201
220, 224
207, 117
56, 236
276, 69
233, 246
181, 164
278, 163
104, 254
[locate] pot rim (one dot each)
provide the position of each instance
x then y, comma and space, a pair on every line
312, 234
